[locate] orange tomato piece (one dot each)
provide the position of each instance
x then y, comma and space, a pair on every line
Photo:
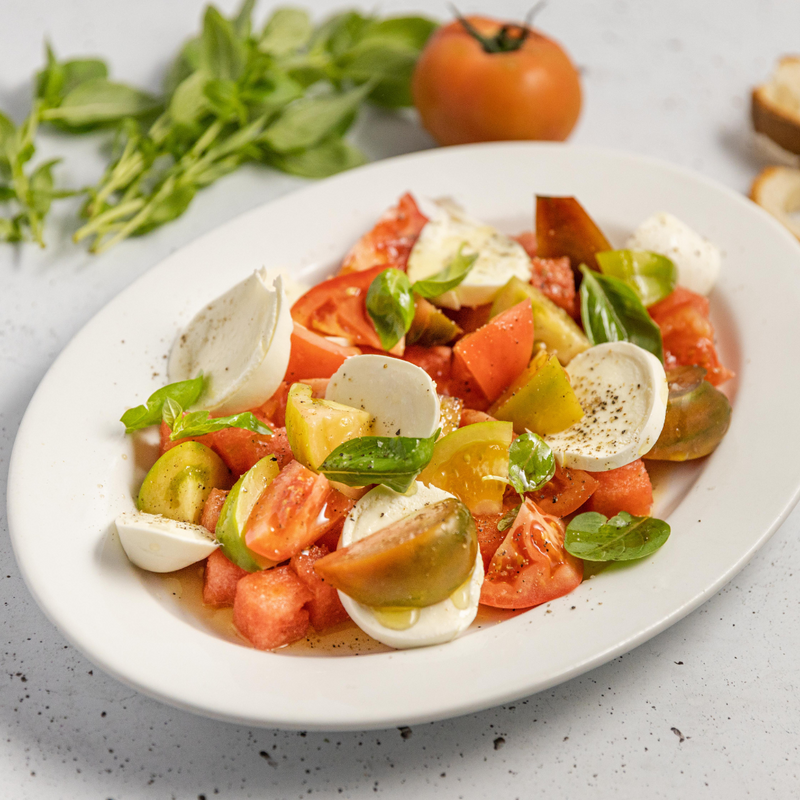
499, 351
688, 334
390, 241
568, 490
314, 356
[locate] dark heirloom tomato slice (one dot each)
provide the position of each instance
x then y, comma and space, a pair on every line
337, 307
415, 562
531, 566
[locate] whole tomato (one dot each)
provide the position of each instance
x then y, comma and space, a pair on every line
480, 80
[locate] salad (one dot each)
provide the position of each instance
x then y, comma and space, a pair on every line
456, 418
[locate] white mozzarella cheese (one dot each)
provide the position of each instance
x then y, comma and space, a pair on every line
698, 261
434, 624
159, 544
240, 342
623, 391
500, 258
399, 395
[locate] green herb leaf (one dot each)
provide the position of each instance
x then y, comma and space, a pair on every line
243, 21
287, 30
394, 461
341, 32
650, 275
189, 101
390, 305
450, 277
531, 463
327, 158
508, 519
592, 537
222, 54
612, 312
199, 423
308, 121
99, 101
184, 393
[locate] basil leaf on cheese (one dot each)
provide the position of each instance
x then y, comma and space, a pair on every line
394, 461
448, 278
184, 393
593, 537
612, 312
390, 305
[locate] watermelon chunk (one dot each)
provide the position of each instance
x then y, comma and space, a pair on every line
325, 609
627, 488
220, 579
212, 507
269, 608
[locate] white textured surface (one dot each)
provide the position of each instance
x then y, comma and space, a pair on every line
708, 708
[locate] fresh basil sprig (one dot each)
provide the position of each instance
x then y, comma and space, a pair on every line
651, 275
394, 461
593, 537
183, 393
448, 278
390, 305
531, 463
612, 312
198, 423
390, 297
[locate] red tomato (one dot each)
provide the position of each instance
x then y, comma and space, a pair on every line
325, 609
470, 319
553, 277
241, 449
314, 356
627, 488
269, 608
531, 566
466, 94
290, 514
498, 352
337, 307
436, 361
390, 241
220, 579
566, 492
688, 335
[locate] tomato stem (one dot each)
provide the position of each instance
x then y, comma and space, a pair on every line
509, 38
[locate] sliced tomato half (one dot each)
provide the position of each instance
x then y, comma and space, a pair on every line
314, 356
531, 566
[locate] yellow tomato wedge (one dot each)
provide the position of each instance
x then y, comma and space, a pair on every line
472, 464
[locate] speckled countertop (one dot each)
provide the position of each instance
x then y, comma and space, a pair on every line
710, 708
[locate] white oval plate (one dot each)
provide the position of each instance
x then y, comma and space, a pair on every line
72, 467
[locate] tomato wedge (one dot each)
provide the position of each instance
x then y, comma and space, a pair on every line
499, 351
390, 241
568, 490
688, 334
531, 566
314, 356
337, 307
292, 513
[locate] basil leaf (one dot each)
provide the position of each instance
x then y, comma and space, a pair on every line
222, 54
40, 190
592, 537
450, 277
189, 101
390, 305
184, 393
341, 32
394, 461
99, 101
650, 275
309, 120
531, 463
287, 30
410, 31
327, 158
390, 64
612, 312
508, 519
198, 423
243, 21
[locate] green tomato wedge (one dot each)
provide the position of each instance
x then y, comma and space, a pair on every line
236, 511
180, 481
650, 275
472, 464
315, 428
553, 326
415, 562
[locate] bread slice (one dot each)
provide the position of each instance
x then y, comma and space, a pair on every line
776, 105
777, 190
